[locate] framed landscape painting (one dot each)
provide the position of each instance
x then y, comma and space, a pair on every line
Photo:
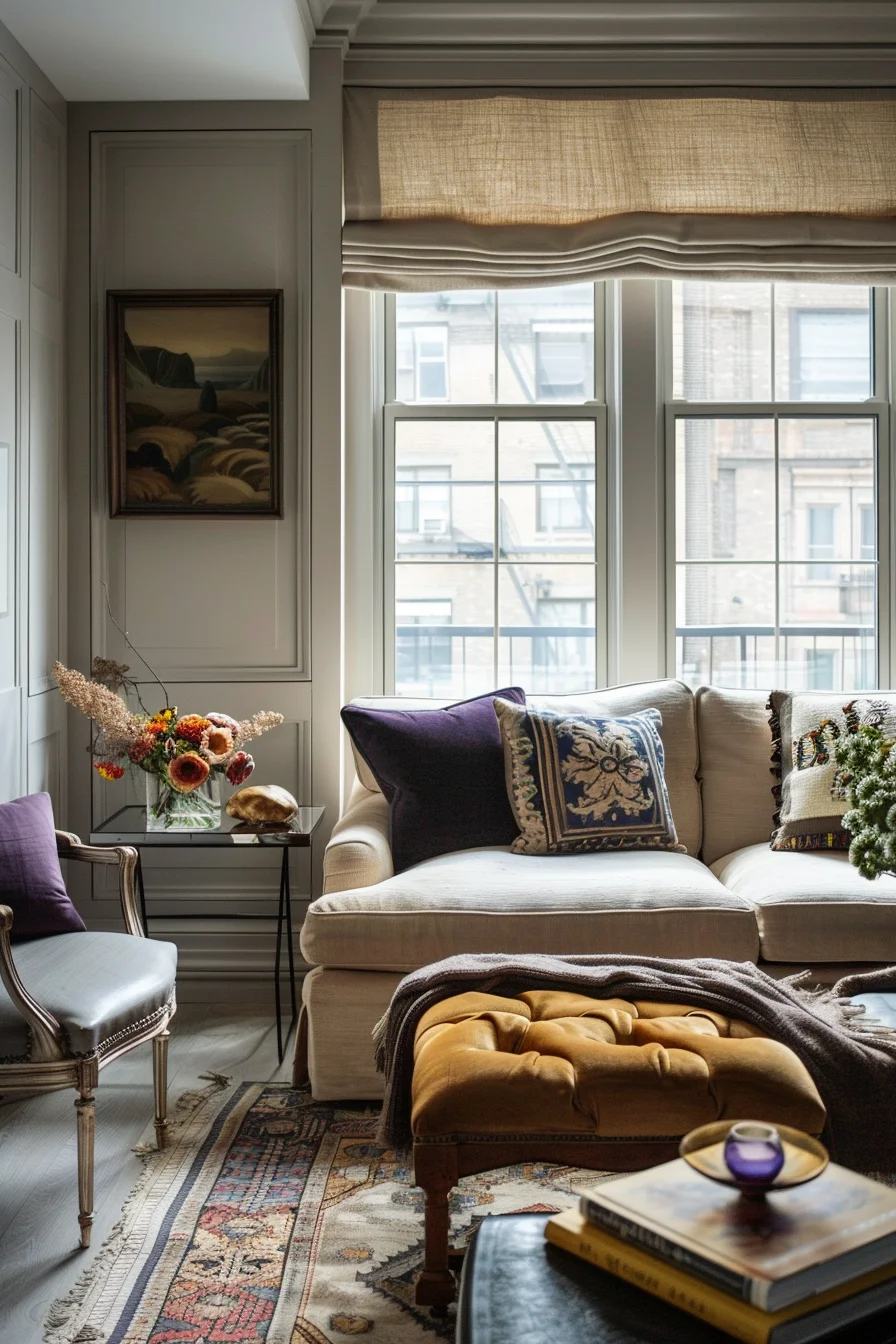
194, 383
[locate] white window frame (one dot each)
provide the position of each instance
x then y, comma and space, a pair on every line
594, 411
875, 408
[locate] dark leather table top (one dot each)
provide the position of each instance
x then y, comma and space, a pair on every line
517, 1289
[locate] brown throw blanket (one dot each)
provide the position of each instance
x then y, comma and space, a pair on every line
852, 1061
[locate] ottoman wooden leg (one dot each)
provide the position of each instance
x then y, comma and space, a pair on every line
435, 1171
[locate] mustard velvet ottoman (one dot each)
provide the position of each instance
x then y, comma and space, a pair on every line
599, 1083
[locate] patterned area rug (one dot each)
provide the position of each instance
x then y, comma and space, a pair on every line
274, 1220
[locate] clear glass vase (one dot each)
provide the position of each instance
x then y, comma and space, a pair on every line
169, 810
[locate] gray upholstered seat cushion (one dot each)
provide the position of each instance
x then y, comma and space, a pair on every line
94, 984
652, 902
813, 906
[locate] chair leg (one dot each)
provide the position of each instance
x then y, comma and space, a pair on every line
84, 1105
435, 1171
160, 1085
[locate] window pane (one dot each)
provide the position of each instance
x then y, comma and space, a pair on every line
546, 344
825, 481
546, 503
445, 346
459, 450
724, 489
744, 659
815, 597
546, 631
822, 342
721, 341
444, 621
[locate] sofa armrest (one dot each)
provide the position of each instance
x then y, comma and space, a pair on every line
358, 853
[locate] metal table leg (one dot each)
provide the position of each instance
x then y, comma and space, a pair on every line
284, 919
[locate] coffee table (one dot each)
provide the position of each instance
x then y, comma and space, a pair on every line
516, 1287
128, 827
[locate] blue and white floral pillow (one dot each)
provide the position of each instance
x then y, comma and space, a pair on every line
578, 783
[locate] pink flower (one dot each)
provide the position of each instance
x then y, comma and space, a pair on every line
225, 721
240, 768
140, 749
216, 744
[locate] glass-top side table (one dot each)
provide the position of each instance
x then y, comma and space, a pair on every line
128, 827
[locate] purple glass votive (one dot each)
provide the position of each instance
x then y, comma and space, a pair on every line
754, 1152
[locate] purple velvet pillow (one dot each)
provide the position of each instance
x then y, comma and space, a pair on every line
30, 876
443, 773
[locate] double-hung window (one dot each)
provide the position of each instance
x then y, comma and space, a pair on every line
775, 440
495, 491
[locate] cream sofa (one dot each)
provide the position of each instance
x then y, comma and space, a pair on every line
729, 896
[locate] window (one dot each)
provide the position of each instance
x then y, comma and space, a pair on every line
421, 362
562, 507
496, 525
422, 646
564, 356
820, 541
830, 354
773, 584
423, 500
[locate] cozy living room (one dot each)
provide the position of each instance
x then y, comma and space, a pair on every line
447, 666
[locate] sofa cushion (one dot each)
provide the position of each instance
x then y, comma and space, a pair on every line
653, 902
94, 984
31, 882
813, 906
673, 699
735, 775
442, 771
578, 783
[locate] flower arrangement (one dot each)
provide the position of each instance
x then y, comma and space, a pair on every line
185, 752
866, 777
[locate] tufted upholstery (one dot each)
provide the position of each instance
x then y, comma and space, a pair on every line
549, 1062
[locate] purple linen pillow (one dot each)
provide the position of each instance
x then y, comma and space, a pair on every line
442, 771
30, 876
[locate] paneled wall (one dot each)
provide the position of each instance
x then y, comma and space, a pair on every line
234, 615
32, 476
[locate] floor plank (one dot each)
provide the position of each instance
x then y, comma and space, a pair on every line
39, 1258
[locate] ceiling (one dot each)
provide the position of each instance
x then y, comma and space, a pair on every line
101, 50
96, 50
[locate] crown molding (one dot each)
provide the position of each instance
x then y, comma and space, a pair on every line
339, 21
571, 67
476, 23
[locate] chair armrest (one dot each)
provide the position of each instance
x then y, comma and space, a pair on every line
70, 847
358, 853
46, 1033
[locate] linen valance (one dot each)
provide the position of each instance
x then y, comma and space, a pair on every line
461, 188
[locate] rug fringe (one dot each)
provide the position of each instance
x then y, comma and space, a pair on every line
60, 1320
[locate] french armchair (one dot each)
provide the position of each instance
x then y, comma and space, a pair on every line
74, 1002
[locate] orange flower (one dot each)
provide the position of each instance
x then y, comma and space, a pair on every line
187, 772
216, 744
191, 727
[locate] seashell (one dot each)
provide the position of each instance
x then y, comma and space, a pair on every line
262, 802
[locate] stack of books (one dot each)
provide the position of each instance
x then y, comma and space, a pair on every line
795, 1267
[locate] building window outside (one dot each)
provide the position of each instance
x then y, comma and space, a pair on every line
422, 646
423, 500
769, 588
562, 505
820, 546
508, 467
421, 362
831, 354
564, 357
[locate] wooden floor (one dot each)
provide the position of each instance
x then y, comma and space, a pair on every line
39, 1259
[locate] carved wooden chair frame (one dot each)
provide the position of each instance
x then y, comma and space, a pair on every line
48, 1066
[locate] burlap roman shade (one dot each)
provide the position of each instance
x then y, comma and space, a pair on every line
471, 187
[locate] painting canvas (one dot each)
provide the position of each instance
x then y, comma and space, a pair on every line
194, 402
